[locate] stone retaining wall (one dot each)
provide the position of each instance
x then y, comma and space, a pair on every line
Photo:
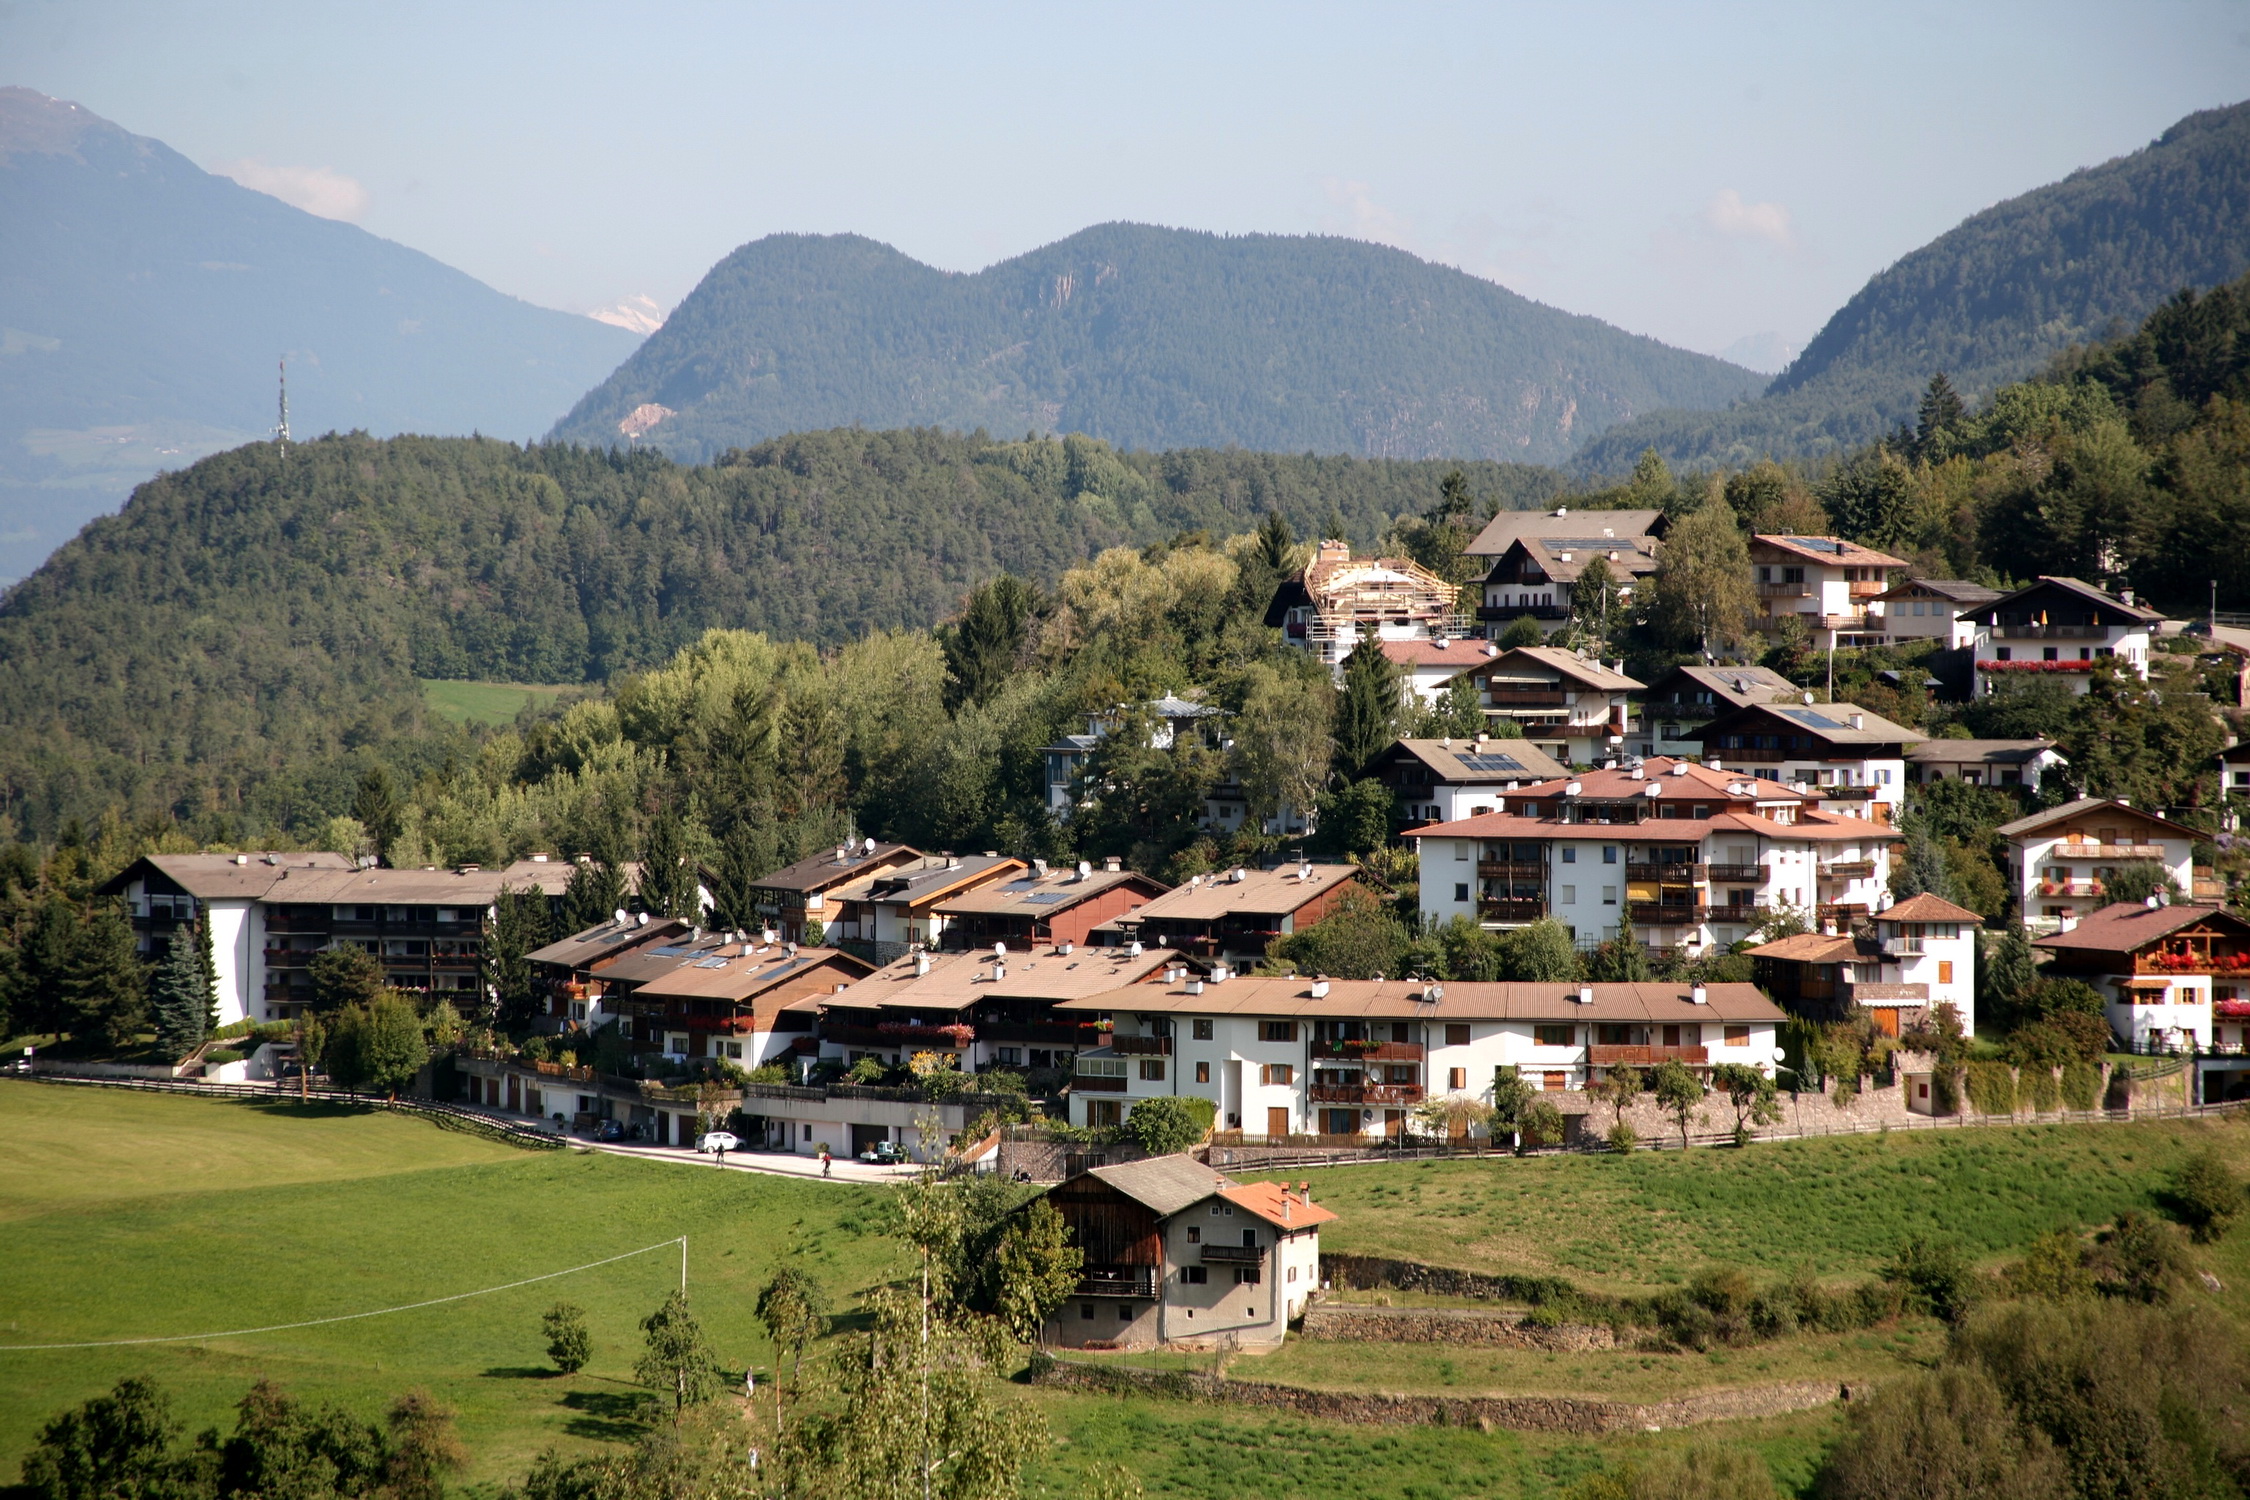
1465, 1327
1515, 1413
1439, 1281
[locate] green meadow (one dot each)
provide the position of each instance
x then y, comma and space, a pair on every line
460, 702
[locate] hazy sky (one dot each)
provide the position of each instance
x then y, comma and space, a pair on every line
1696, 173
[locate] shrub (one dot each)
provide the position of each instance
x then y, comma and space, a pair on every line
1992, 1088
1711, 1470
220, 1056
2081, 1085
2206, 1197
1935, 1276
1170, 1124
2053, 1269
2140, 1259
568, 1343
1623, 1137
1945, 1091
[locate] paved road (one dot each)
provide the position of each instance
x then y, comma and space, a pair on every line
773, 1163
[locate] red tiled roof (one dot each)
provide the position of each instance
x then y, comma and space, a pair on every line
1456, 654
1274, 1203
1928, 908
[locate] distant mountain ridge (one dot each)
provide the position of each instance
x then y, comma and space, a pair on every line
144, 304
1990, 301
1145, 337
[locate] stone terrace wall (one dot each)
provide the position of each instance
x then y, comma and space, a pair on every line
1462, 1327
1514, 1413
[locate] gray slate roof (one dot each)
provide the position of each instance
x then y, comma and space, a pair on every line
1165, 1184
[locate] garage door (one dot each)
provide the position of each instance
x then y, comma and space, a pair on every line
865, 1136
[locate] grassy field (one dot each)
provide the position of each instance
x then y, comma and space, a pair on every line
483, 702
133, 1215
1641, 1222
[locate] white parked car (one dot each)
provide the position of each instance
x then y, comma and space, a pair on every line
718, 1140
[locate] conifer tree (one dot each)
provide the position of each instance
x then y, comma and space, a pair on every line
178, 996
1367, 714
105, 988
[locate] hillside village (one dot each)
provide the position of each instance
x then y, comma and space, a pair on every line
1715, 862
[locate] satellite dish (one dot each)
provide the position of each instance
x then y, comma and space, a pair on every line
1780, 1055
618, 916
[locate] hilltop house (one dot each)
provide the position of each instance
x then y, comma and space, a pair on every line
794, 898
2176, 975
1922, 954
1694, 855
1354, 1058
1339, 601
1684, 697
1823, 582
1536, 574
1435, 780
1567, 705
2059, 627
271, 914
1427, 667
2058, 859
1853, 760
1230, 917
1930, 609
1178, 1254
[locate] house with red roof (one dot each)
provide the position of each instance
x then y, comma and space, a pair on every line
1692, 856
2175, 974
1177, 1254
1425, 667
1921, 954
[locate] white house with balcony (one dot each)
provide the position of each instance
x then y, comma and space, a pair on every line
1536, 576
1853, 760
1567, 705
1437, 781
2022, 763
1355, 1058
1826, 583
1692, 856
2060, 860
2174, 973
2059, 629
1339, 601
1921, 954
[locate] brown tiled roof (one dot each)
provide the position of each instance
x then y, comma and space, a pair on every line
1503, 530
1928, 908
1404, 999
817, 872
731, 974
1445, 759
1829, 722
1740, 814
930, 878
1166, 1184
583, 949
1815, 948
1568, 665
222, 877
1424, 653
957, 981
1829, 551
1033, 895
1258, 892
1992, 752
2128, 926
2086, 807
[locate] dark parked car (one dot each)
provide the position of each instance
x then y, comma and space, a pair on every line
609, 1130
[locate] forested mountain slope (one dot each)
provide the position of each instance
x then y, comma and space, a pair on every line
1146, 337
144, 304
1990, 301
241, 622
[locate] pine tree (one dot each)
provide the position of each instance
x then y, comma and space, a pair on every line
1924, 870
1368, 712
1941, 411
179, 1000
983, 647
669, 874
105, 989
597, 883
519, 928
375, 805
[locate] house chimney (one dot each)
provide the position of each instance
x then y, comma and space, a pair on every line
1319, 989
921, 965
1712, 761
1111, 865
1585, 994
242, 859
1039, 868
1064, 949
999, 972
1239, 875
1699, 996
1857, 721
1218, 973
1195, 986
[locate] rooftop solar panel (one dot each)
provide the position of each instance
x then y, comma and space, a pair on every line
1807, 716
1047, 898
712, 963
1503, 765
1816, 544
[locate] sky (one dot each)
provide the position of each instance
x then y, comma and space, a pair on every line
1703, 174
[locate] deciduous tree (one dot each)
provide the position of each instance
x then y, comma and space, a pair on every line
676, 1359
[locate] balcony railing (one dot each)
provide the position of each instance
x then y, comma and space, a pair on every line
1667, 914
1117, 1281
1517, 611
1605, 1055
1903, 947
1366, 1093
1736, 872
1039, 1033
2191, 963
1681, 873
1867, 589
1510, 869
1798, 590
2070, 888
1234, 1255
1682, 713
1844, 793
1141, 1046
1511, 910
2071, 850
1526, 698
1350, 1050
1086, 1083
1847, 869
2009, 632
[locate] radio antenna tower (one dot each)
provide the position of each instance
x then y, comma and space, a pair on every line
281, 428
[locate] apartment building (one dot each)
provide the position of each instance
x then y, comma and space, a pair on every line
1339, 601
1180, 1255
1853, 760
884, 914
1042, 906
271, 914
1231, 916
1931, 609
2175, 974
1670, 708
2059, 859
1314, 1056
2059, 628
1694, 856
992, 1009
1920, 954
724, 996
2021, 763
1439, 780
567, 972
1826, 583
1568, 706
795, 898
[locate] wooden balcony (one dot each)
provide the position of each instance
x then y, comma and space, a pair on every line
1683, 873
1526, 698
1510, 910
2070, 850
1141, 1046
1847, 869
1233, 1255
2027, 632
1797, 590
1357, 1051
1491, 612
1643, 1056
1366, 1093
2191, 963
1511, 869
1735, 872
1117, 1281
1086, 1083
1666, 913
